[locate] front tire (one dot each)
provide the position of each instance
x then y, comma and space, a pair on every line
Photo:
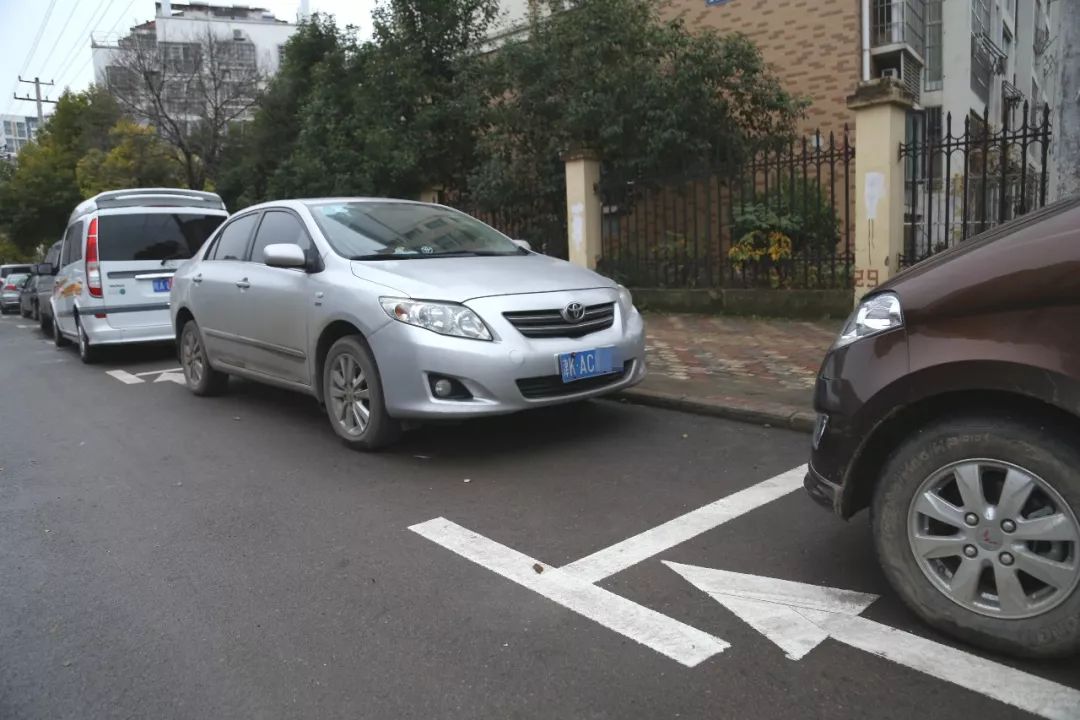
202, 379
58, 337
353, 393
975, 521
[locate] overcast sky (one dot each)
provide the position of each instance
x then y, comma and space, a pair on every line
63, 50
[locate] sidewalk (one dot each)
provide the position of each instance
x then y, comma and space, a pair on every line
759, 370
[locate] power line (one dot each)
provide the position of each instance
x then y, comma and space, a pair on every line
60, 35
69, 59
37, 38
119, 17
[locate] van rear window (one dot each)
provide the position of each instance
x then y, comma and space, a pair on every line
155, 236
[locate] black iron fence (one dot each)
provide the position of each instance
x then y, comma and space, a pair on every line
783, 219
959, 185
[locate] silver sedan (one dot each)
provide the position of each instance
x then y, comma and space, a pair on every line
390, 310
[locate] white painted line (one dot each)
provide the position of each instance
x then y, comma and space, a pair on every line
175, 377
798, 617
678, 641
158, 372
25, 327
1005, 684
124, 377
630, 552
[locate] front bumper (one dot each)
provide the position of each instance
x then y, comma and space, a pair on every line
822, 491
409, 357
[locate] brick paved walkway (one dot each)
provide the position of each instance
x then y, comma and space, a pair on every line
762, 365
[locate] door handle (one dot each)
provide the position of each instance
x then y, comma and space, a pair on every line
243, 284
197, 279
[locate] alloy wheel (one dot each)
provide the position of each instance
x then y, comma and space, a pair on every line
995, 538
350, 398
192, 356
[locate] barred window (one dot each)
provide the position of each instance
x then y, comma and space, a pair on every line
933, 45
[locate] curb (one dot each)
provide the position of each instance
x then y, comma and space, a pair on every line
787, 416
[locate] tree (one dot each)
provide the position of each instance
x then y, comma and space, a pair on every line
137, 158
37, 199
648, 96
193, 92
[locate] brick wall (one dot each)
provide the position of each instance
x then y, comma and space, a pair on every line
813, 45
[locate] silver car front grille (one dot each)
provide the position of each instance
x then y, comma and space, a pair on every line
551, 323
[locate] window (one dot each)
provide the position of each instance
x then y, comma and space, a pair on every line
232, 244
8, 128
280, 227
398, 230
154, 236
72, 251
53, 256
933, 45
20, 129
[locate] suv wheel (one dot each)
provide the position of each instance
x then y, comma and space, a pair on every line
87, 353
976, 524
352, 390
58, 337
201, 378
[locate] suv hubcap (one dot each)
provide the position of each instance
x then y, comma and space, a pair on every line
349, 396
1020, 556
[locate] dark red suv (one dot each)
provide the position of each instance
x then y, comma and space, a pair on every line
950, 406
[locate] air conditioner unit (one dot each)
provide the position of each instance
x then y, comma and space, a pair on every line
890, 73
237, 34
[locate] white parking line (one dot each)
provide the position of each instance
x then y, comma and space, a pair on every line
25, 327
124, 377
158, 372
676, 640
643, 546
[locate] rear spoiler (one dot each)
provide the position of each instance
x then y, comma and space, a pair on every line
152, 197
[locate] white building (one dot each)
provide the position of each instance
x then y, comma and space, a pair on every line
15, 132
254, 37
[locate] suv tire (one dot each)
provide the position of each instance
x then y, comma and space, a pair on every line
1035, 449
202, 379
351, 386
58, 337
87, 352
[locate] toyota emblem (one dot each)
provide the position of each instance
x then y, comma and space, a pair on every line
574, 312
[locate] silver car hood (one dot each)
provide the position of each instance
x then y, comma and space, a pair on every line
468, 278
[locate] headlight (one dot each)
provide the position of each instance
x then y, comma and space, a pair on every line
874, 315
443, 318
625, 298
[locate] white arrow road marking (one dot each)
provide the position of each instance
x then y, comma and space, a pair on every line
158, 372
175, 377
124, 377
797, 617
643, 546
676, 640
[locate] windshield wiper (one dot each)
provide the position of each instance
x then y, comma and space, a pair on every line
423, 256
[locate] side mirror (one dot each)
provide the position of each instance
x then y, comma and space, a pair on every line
284, 255
45, 269
523, 244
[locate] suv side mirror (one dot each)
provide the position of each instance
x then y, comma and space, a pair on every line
45, 269
284, 255
523, 244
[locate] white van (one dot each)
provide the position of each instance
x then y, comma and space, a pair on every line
116, 265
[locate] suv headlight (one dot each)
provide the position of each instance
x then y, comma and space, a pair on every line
440, 317
874, 315
625, 298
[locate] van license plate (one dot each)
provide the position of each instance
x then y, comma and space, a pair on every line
162, 284
586, 364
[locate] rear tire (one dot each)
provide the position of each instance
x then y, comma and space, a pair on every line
202, 379
87, 352
981, 596
354, 398
58, 337
44, 322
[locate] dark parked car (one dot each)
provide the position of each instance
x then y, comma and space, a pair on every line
44, 279
28, 295
950, 406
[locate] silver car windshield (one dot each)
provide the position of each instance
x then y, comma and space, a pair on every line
400, 231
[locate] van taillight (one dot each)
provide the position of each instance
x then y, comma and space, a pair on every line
93, 269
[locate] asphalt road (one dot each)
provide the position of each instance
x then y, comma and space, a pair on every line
168, 556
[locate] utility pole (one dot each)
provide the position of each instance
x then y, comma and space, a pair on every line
37, 97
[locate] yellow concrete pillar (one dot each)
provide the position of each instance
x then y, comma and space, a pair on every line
583, 208
431, 195
881, 108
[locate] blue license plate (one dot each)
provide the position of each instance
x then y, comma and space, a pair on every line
162, 284
586, 364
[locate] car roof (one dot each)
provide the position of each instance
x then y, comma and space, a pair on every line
296, 203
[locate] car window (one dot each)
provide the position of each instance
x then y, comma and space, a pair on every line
233, 241
72, 251
280, 227
399, 230
153, 236
53, 255
17, 279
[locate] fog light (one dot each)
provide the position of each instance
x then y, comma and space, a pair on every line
443, 388
820, 425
